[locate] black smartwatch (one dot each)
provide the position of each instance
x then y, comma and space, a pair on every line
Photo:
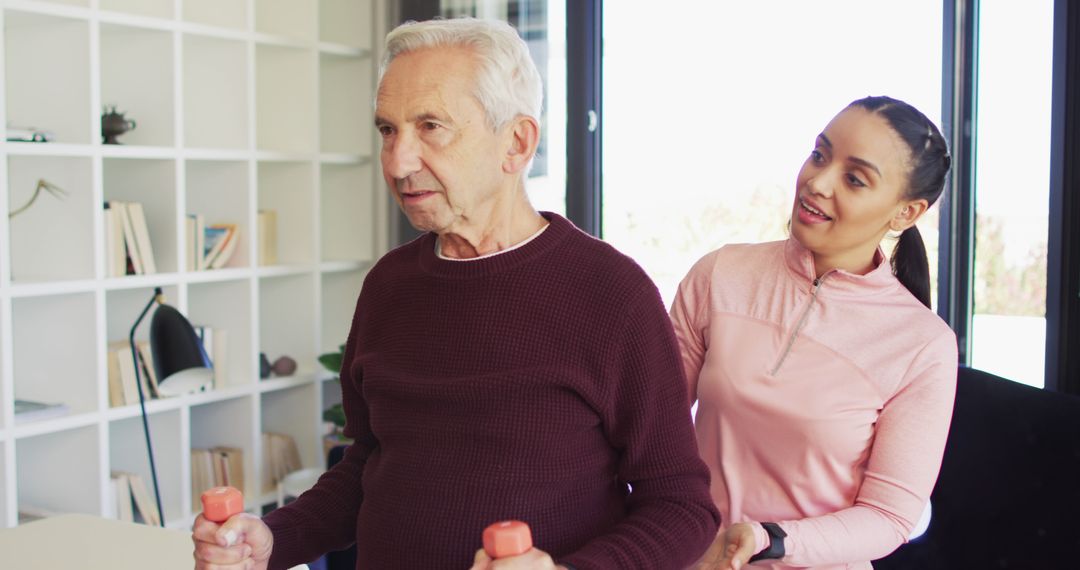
776, 543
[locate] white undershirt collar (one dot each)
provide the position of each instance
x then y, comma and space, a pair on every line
439, 254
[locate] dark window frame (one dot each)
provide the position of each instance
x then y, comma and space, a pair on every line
956, 245
584, 190
1063, 246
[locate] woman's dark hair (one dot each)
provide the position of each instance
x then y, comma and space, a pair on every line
930, 163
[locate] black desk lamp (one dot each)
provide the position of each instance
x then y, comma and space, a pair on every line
180, 363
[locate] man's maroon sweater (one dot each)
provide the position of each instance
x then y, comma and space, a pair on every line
542, 384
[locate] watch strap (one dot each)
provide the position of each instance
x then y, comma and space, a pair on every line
776, 543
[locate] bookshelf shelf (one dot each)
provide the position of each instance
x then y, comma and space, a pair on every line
151, 8
241, 106
219, 13
341, 266
51, 149
67, 8
274, 384
35, 429
134, 20
283, 270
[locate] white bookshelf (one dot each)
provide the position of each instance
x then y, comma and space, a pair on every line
240, 105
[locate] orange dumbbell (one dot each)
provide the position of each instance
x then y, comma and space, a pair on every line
507, 538
220, 503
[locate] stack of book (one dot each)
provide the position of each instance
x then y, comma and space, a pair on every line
215, 467
280, 457
30, 410
209, 246
123, 389
128, 250
133, 501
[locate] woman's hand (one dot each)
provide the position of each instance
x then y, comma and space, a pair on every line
731, 549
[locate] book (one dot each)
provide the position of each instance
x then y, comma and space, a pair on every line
229, 462
196, 240
31, 513
190, 264
220, 350
30, 410
202, 475
123, 390
142, 237
268, 237
116, 383
205, 335
115, 251
221, 240
145, 504
280, 457
149, 375
121, 491
214, 467
133, 265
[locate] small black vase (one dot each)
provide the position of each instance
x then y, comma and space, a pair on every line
113, 124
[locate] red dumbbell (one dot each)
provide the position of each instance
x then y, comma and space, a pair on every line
507, 538
220, 503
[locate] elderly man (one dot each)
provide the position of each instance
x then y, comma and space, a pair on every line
504, 365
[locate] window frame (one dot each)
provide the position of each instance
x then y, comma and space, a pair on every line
584, 192
1063, 246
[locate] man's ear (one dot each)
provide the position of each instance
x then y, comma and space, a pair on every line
908, 214
524, 135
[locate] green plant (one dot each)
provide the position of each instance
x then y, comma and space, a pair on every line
332, 361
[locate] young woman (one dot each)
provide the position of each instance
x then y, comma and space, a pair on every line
824, 382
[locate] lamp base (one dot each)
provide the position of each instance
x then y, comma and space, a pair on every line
185, 382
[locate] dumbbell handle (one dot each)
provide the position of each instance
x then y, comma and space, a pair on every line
507, 538
220, 503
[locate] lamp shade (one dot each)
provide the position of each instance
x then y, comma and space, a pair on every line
179, 357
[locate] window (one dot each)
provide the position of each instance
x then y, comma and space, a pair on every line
542, 23
1012, 181
709, 116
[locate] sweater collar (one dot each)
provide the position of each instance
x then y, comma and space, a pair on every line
800, 264
557, 230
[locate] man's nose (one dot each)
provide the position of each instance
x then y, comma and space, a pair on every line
401, 157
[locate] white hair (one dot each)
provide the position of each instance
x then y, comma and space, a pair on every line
507, 81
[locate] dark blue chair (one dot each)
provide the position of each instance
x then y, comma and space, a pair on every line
1008, 495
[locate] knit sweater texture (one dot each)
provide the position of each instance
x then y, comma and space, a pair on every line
543, 384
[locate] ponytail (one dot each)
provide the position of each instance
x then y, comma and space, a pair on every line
910, 265
930, 163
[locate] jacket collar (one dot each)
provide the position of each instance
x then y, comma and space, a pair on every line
800, 265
